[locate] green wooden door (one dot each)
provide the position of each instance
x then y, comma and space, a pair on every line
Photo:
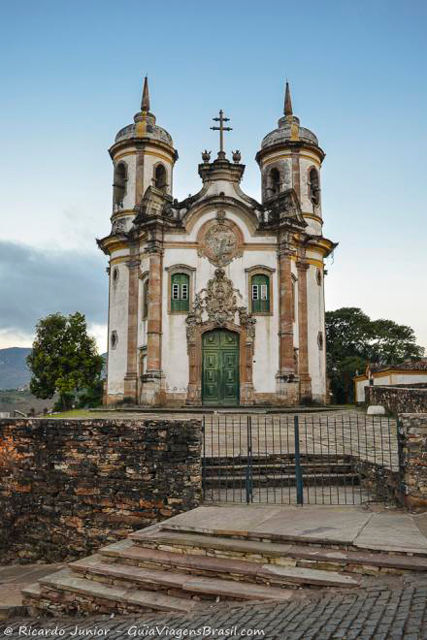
220, 372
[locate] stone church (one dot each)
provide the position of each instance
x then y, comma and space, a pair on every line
217, 299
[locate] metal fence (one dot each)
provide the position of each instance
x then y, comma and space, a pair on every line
332, 458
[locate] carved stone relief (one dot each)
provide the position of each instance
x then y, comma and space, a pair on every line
219, 303
220, 243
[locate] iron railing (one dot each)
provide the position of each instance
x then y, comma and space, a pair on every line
318, 458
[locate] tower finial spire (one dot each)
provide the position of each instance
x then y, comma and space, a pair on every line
288, 102
145, 104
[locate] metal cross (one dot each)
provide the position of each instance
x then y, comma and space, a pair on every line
221, 130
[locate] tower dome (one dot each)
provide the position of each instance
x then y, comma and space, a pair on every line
145, 124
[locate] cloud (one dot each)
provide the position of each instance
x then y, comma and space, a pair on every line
35, 282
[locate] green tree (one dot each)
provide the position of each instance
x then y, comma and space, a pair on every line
64, 359
353, 340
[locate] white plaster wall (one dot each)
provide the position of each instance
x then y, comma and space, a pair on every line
174, 343
315, 312
286, 169
409, 378
118, 321
313, 227
388, 379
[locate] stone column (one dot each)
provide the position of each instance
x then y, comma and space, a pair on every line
131, 377
152, 379
412, 440
303, 366
286, 377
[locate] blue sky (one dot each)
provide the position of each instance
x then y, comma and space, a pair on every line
72, 76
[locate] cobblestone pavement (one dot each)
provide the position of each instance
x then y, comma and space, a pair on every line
380, 612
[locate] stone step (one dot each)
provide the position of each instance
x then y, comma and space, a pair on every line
89, 593
183, 583
285, 480
278, 553
242, 570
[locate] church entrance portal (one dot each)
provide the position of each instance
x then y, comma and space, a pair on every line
220, 368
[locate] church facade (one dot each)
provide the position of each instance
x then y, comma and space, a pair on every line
218, 299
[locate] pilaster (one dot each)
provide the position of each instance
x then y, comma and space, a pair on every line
153, 379
286, 378
131, 377
303, 367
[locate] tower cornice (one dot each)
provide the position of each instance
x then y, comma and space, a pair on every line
292, 146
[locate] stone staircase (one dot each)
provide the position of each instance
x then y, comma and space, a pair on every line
279, 471
165, 568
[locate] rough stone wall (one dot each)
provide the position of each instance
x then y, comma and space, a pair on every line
379, 482
398, 399
412, 434
69, 486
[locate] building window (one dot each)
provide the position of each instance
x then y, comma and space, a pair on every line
180, 292
314, 186
320, 340
318, 277
273, 182
114, 339
260, 293
115, 275
160, 177
119, 186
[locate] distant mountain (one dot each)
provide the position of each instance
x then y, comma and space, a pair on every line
14, 373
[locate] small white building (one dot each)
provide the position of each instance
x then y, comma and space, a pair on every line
409, 373
218, 299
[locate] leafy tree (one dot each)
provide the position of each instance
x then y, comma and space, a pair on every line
64, 359
353, 340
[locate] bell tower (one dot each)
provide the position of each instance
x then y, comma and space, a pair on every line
290, 158
143, 156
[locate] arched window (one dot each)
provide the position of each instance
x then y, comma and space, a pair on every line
114, 339
180, 292
145, 298
160, 177
260, 293
119, 186
314, 186
274, 182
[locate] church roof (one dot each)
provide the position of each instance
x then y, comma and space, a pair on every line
151, 129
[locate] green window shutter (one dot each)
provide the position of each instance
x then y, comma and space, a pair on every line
180, 288
260, 293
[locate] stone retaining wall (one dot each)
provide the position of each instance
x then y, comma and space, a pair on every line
412, 433
398, 399
69, 486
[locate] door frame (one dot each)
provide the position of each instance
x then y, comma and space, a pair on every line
195, 356
236, 349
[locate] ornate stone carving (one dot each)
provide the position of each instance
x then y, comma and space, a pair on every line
119, 226
219, 303
220, 243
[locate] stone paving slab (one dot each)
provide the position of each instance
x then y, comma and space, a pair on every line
223, 520
392, 532
321, 524
389, 531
